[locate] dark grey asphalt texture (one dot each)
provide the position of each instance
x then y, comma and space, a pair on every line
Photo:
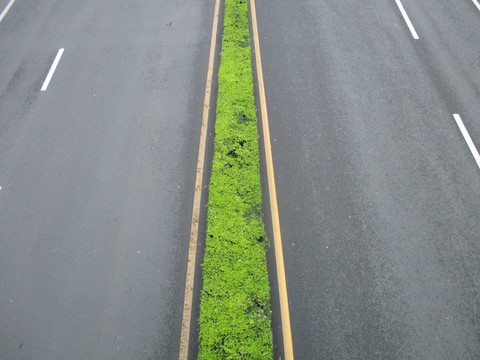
97, 175
379, 195
378, 192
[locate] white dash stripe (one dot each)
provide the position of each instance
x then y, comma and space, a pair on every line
407, 19
468, 139
52, 70
477, 4
4, 12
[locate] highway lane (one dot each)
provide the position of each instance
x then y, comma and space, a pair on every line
97, 175
450, 54
378, 191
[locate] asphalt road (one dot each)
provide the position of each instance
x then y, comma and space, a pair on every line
97, 174
379, 194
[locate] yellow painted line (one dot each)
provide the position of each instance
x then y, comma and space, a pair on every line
192, 250
277, 237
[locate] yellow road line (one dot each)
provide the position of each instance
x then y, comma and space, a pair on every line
192, 250
277, 237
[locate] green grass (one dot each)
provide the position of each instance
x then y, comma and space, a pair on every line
235, 315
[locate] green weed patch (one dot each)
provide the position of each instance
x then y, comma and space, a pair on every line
235, 313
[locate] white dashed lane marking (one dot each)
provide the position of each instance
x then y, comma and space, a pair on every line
407, 19
52, 70
5, 11
467, 138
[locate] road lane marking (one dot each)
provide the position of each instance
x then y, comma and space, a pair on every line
277, 236
5, 11
407, 19
197, 199
52, 70
477, 4
467, 138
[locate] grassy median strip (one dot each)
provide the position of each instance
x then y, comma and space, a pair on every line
235, 313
